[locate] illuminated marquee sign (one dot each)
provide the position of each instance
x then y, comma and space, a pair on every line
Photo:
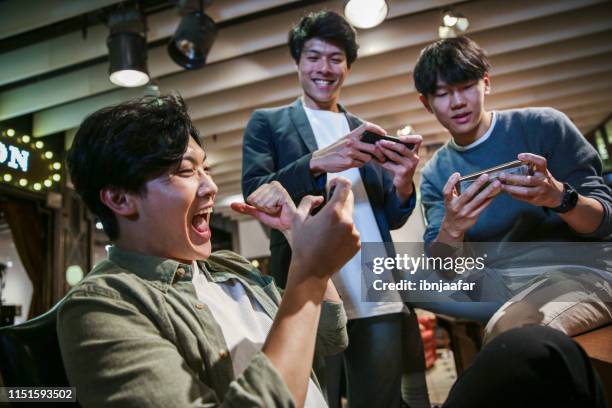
27, 163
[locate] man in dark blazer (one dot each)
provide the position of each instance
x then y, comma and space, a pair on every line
303, 146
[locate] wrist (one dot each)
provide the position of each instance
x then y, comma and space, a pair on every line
405, 192
314, 165
558, 195
454, 233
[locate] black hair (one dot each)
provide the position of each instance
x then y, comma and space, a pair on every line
126, 145
454, 60
327, 26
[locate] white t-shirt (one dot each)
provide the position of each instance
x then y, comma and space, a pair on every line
328, 127
244, 323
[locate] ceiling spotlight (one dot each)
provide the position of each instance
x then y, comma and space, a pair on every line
453, 24
366, 13
193, 39
127, 49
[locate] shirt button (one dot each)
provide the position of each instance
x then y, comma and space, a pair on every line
223, 354
180, 272
199, 306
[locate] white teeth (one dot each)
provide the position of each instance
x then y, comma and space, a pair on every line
205, 211
322, 82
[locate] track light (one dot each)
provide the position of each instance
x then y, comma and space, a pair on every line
453, 24
193, 39
366, 13
127, 49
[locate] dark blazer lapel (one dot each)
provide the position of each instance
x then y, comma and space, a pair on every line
300, 121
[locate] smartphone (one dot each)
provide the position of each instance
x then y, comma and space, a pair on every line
513, 167
371, 137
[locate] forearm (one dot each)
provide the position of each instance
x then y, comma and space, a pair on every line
291, 341
586, 216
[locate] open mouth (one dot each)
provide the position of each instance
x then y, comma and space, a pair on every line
200, 222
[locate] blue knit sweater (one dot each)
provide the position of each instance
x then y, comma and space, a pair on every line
542, 131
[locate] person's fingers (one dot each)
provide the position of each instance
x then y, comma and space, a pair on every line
397, 148
372, 127
390, 166
538, 161
488, 193
449, 187
243, 208
519, 191
416, 140
360, 156
392, 154
309, 203
356, 133
483, 206
520, 180
472, 191
342, 188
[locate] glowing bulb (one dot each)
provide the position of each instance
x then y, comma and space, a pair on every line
10, 132
37, 186
56, 177
129, 78
25, 139
7, 177
99, 225
449, 20
23, 182
57, 165
47, 183
255, 263
74, 274
39, 144
366, 13
48, 155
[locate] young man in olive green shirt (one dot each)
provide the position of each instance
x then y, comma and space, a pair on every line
144, 328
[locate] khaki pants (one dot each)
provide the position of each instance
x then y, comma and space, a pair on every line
571, 303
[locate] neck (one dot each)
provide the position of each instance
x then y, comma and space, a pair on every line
331, 106
128, 245
476, 133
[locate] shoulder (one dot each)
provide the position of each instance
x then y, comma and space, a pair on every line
107, 280
530, 116
273, 112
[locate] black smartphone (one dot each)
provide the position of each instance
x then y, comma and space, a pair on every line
371, 137
331, 191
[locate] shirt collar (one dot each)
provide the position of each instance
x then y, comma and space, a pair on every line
150, 267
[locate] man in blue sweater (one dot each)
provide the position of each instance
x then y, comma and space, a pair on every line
564, 199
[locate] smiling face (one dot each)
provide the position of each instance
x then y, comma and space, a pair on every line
460, 108
172, 218
322, 69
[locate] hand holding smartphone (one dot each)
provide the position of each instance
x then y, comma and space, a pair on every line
372, 138
514, 167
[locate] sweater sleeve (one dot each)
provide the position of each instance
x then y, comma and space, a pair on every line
571, 159
432, 201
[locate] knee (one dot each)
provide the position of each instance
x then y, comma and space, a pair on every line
513, 316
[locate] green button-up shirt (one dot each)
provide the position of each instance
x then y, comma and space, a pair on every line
133, 334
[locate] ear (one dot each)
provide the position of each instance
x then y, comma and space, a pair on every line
425, 102
120, 202
487, 84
